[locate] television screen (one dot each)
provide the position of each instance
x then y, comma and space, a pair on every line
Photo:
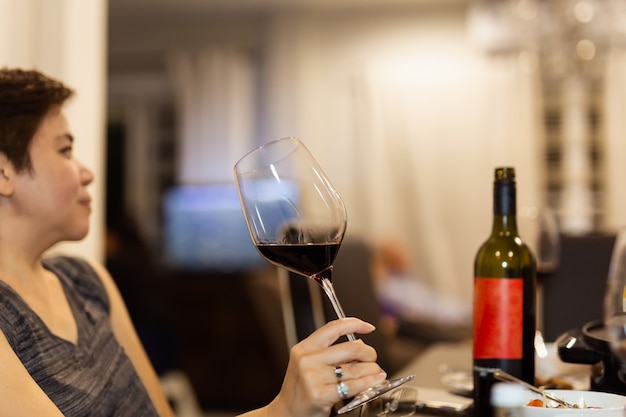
204, 229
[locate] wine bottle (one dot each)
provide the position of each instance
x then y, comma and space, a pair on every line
504, 298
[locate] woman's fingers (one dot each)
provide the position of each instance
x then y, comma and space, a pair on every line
310, 354
321, 372
353, 370
333, 330
349, 388
320, 347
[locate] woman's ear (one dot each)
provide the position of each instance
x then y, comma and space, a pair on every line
7, 176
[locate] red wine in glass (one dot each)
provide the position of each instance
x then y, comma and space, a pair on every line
309, 259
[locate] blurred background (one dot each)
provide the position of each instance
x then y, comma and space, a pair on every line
409, 105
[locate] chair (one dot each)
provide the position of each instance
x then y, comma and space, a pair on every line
574, 295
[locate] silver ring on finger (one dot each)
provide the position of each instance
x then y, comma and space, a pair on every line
342, 390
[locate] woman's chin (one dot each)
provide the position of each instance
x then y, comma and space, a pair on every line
78, 234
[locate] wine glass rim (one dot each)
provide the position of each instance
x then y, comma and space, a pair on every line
296, 141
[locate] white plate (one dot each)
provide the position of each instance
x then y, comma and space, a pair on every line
462, 382
612, 405
459, 382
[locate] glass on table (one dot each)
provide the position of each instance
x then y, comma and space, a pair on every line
404, 402
615, 300
400, 403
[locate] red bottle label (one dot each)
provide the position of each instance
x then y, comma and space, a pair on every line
498, 318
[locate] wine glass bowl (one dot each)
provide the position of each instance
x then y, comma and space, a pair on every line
287, 199
548, 245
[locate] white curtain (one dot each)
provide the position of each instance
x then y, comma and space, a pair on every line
409, 122
214, 106
428, 142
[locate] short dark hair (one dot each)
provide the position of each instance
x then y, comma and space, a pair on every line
26, 98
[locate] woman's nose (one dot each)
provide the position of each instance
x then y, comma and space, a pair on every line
87, 174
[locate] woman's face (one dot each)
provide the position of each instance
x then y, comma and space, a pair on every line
53, 195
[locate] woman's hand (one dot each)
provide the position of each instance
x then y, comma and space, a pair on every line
310, 385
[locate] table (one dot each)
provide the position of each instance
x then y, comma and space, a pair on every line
430, 366
433, 363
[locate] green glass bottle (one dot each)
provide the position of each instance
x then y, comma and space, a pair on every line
504, 298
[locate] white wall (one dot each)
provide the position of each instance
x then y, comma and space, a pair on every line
66, 39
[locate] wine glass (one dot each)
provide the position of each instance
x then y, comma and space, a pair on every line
548, 244
295, 217
614, 329
296, 220
548, 254
539, 226
615, 299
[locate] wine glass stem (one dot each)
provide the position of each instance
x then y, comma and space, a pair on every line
327, 285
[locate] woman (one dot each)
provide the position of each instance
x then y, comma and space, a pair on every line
67, 344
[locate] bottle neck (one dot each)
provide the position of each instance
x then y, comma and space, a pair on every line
504, 207
504, 223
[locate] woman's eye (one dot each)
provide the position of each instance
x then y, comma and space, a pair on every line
67, 151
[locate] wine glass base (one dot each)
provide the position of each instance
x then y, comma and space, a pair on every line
374, 392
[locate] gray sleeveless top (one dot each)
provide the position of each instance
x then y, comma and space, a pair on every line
93, 377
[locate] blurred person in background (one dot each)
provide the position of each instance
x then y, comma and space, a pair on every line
409, 305
67, 343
